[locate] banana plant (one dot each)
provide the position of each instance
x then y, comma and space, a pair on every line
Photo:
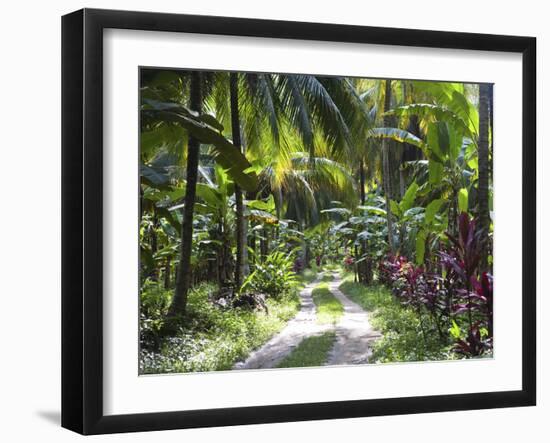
449, 144
206, 129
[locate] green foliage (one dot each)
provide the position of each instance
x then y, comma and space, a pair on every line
463, 200
206, 129
420, 246
312, 351
273, 277
307, 276
402, 338
332, 267
399, 135
154, 304
305, 137
432, 209
407, 201
213, 338
329, 308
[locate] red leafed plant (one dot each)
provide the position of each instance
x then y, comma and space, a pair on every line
454, 296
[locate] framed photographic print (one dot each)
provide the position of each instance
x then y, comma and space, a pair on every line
270, 221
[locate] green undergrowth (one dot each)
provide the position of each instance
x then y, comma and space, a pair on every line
329, 308
312, 351
327, 276
307, 276
402, 337
332, 267
209, 337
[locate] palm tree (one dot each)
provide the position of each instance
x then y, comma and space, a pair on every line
164, 119
240, 221
183, 277
264, 104
386, 166
483, 160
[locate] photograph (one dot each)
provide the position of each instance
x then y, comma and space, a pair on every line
301, 220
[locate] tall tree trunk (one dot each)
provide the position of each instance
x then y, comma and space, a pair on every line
140, 203
364, 268
240, 265
183, 277
264, 244
304, 246
386, 167
483, 162
154, 245
167, 273
401, 179
362, 181
252, 246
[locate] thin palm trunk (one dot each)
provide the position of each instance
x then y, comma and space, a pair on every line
240, 265
154, 244
386, 167
264, 244
364, 268
167, 268
483, 162
183, 277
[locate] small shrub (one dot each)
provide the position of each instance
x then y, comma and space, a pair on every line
274, 277
154, 304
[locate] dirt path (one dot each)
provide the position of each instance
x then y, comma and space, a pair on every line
302, 326
354, 333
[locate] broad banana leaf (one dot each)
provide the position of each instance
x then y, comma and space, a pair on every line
206, 130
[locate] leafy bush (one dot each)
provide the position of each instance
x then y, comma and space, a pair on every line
453, 298
154, 304
274, 277
212, 338
348, 263
472, 304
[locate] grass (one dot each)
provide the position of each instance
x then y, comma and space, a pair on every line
402, 338
329, 308
332, 266
209, 337
312, 351
327, 277
307, 276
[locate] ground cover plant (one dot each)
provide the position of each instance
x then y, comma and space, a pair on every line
329, 309
312, 351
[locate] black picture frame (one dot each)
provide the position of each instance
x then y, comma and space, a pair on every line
82, 215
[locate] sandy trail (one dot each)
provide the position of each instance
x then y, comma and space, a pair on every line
354, 333
303, 325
